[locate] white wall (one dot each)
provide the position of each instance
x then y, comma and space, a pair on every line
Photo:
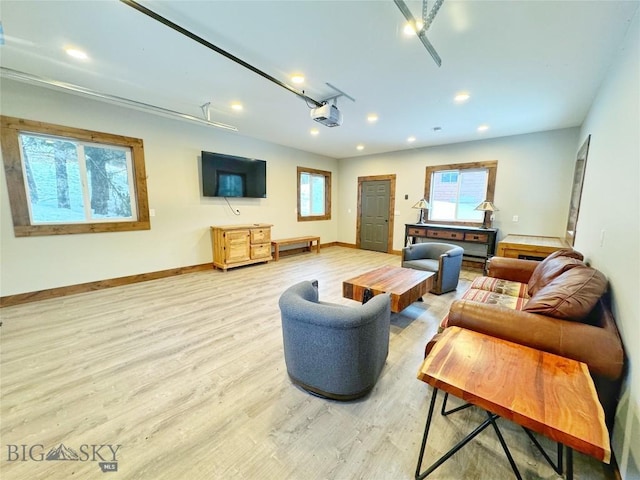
179, 234
611, 204
534, 181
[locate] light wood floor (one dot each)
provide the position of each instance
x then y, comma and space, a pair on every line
187, 374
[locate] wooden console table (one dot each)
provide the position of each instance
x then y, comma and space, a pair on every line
530, 247
546, 393
478, 243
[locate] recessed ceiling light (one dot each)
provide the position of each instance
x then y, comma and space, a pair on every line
411, 139
461, 97
483, 128
75, 53
237, 106
314, 131
360, 147
410, 30
297, 78
372, 118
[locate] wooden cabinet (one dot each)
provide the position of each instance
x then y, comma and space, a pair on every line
530, 247
237, 245
478, 243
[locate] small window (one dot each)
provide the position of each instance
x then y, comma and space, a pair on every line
454, 191
314, 194
63, 180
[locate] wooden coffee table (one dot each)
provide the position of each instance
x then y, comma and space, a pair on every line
404, 284
543, 392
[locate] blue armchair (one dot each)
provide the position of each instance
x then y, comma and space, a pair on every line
442, 258
331, 350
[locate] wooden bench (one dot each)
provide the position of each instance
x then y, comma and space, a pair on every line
292, 241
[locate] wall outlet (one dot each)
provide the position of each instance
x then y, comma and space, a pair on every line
515, 218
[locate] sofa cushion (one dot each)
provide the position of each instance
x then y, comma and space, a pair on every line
571, 295
492, 298
555, 264
426, 264
499, 285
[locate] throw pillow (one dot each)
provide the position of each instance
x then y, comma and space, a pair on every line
551, 267
571, 295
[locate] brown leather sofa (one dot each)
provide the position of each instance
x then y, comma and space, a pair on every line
559, 305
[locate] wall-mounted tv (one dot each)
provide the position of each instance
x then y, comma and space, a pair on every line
231, 176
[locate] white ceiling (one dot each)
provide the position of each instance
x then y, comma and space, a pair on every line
528, 65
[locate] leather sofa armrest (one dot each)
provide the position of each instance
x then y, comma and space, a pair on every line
599, 348
514, 269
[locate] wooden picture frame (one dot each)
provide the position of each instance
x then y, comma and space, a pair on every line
576, 191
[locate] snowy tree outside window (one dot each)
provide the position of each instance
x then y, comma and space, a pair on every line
69, 181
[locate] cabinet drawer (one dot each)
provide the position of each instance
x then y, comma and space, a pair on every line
261, 251
446, 234
260, 235
417, 232
476, 237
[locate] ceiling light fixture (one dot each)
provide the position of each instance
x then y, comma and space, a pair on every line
411, 139
237, 106
427, 19
410, 29
75, 53
372, 118
483, 128
461, 97
297, 78
314, 131
360, 147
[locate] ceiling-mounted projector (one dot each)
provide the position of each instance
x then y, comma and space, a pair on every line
327, 114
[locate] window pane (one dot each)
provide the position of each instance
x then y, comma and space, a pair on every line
52, 175
317, 195
70, 182
305, 194
444, 195
455, 194
108, 182
473, 190
314, 191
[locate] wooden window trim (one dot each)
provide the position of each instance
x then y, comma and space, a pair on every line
12, 127
490, 165
327, 194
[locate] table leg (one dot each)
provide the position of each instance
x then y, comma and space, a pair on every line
514, 467
454, 449
569, 463
367, 295
444, 411
557, 467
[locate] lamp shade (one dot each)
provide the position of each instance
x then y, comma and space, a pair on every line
487, 207
422, 203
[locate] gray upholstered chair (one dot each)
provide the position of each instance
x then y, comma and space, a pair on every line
331, 350
442, 258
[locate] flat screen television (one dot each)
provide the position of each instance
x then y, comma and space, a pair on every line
231, 176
